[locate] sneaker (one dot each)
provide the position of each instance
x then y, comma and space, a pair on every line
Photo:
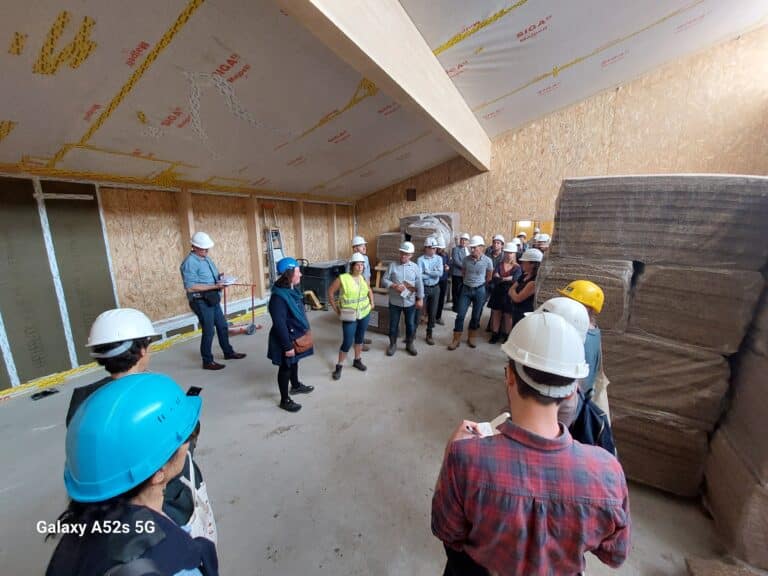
290, 405
301, 389
235, 356
214, 366
358, 363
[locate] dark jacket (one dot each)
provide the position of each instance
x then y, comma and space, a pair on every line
168, 547
286, 328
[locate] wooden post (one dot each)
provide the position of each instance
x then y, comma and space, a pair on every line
256, 246
186, 218
298, 223
333, 245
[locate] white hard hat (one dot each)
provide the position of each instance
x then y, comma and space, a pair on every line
440, 241
574, 313
547, 342
499, 237
120, 325
464, 236
544, 237
516, 241
358, 240
201, 240
511, 247
532, 255
357, 257
476, 240
407, 247
536, 230
522, 234
430, 242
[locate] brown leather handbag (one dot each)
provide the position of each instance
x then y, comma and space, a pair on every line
303, 342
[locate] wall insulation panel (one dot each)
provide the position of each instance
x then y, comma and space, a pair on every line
316, 220
27, 295
224, 219
78, 241
145, 244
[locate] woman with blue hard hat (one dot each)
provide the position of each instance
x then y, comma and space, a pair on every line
123, 446
290, 338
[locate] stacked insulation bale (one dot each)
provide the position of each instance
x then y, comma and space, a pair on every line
695, 244
419, 227
736, 474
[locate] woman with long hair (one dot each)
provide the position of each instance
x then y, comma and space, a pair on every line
123, 445
354, 308
290, 338
523, 292
506, 273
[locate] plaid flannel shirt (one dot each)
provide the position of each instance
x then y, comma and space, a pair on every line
519, 503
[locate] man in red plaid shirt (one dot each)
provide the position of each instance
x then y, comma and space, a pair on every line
531, 500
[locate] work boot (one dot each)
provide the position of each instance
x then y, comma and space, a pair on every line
337, 372
429, 338
290, 405
301, 389
409, 347
456, 341
358, 363
494, 339
392, 346
471, 338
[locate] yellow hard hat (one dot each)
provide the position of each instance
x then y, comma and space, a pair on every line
586, 292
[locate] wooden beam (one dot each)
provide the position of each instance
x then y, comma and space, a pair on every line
256, 245
379, 40
333, 245
298, 225
186, 217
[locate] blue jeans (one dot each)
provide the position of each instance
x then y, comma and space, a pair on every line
354, 331
474, 296
394, 321
211, 319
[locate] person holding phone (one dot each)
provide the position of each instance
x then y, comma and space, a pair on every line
290, 338
202, 283
354, 308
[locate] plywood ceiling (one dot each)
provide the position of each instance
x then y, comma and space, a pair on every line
237, 96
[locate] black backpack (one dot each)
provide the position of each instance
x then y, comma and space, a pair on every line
591, 425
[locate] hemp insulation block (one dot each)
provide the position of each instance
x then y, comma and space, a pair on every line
738, 501
613, 276
708, 307
683, 220
658, 448
663, 375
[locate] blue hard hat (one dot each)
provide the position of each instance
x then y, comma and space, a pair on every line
286, 264
124, 433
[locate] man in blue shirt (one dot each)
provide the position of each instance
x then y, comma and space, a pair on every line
431, 266
201, 282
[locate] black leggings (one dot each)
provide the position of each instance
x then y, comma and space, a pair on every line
285, 374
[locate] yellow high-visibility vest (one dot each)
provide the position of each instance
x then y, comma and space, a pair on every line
354, 296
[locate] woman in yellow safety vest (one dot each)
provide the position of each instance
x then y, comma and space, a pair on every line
354, 308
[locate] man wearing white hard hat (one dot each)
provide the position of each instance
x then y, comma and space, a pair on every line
406, 295
477, 272
458, 254
530, 499
523, 237
202, 282
431, 266
360, 246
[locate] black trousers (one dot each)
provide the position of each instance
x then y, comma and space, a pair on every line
443, 284
456, 283
461, 564
285, 374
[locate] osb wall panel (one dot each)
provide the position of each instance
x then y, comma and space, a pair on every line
146, 249
316, 222
280, 214
224, 219
449, 187
705, 113
344, 231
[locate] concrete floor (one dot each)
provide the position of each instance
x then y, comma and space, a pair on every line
341, 488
